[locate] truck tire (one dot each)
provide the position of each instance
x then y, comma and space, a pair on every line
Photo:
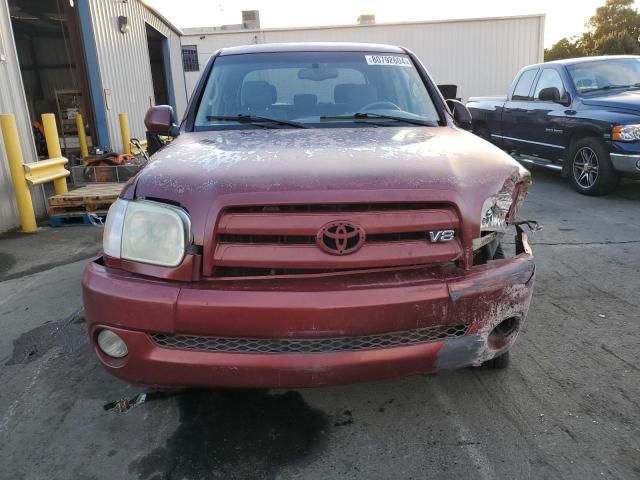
497, 363
483, 255
483, 132
591, 171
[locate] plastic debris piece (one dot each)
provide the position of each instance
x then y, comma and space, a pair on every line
125, 404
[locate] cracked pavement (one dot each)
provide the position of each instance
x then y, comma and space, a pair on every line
567, 407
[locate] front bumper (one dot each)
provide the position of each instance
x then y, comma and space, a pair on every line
351, 305
626, 163
625, 158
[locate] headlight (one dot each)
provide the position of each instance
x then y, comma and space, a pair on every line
626, 133
147, 232
499, 210
495, 211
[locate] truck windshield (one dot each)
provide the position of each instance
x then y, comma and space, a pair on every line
314, 90
605, 75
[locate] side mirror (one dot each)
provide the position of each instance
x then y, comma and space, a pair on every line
161, 120
461, 114
549, 94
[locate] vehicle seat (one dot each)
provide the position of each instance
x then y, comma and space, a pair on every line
584, 83
258, 95
354, 96
304, 105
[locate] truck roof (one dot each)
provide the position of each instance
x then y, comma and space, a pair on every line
312, 47
574, 61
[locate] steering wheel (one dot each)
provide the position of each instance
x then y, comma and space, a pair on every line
584, 83
379, 105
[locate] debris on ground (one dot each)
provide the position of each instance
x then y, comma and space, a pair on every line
125, 404
347, 419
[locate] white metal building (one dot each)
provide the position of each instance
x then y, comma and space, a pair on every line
127, 65
480, 55
117, 56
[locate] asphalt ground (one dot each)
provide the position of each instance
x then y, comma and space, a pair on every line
567, 407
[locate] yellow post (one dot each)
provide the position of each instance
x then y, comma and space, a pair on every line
14, 155
51, 135
53, 147
82, 136
124, 131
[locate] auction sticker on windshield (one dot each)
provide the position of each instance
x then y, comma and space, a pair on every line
387, 60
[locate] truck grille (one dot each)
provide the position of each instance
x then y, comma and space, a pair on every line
308, 345
280, 239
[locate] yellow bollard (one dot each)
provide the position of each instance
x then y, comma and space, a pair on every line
124, 131
51, 135
82, 136
53, 147
14, 155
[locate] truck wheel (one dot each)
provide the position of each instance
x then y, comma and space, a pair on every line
591, 171
497, 363
483, 255
483, 132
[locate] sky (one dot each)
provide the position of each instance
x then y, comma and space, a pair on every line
564, 18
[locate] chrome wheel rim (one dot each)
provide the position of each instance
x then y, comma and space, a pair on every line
585, 167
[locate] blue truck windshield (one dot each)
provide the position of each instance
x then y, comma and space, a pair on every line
604, 75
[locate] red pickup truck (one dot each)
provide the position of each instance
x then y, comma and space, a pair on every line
320, 218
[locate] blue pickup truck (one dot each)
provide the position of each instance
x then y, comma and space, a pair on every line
579, 116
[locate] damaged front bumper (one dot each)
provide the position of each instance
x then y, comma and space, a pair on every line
329, 329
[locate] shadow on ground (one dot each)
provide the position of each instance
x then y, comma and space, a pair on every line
247, 434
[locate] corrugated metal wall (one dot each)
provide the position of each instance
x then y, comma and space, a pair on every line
12, 100
124, 63
481, 56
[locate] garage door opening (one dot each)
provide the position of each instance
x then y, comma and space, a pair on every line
158, 56
53, 68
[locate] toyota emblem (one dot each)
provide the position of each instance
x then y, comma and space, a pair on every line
340, 238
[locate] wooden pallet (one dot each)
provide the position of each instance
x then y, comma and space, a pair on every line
91, 198
75, 219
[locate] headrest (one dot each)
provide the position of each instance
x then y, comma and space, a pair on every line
258, 94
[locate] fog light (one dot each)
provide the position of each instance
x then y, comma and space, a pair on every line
111, 344
638, 164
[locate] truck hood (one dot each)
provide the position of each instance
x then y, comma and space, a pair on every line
206, 171
629, 101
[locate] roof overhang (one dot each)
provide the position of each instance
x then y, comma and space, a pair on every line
161, 17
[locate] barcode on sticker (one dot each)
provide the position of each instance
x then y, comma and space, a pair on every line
387, 60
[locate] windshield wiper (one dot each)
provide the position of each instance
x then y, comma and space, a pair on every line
610, 87
633, 85
254, 119
369, 116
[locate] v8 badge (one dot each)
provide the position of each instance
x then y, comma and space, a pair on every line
439, 236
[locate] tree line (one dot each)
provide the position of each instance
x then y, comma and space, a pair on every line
613, 30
